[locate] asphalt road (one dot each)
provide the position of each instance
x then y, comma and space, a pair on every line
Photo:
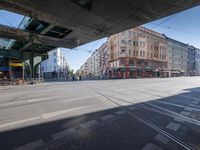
134, 114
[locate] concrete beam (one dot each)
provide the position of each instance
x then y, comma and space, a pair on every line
105, 17
21, 55
47, 29
11, 54
22, 35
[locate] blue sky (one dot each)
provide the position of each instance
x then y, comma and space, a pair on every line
184, 27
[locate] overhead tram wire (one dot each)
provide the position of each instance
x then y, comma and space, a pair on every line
86, 50
75, 49
167, 19
179, 30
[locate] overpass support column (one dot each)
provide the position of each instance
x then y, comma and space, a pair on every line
32, 68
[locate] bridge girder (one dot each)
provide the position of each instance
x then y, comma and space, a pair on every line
93, 19
22, 35
20, 55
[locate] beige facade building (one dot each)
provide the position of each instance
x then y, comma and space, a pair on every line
91, 68
138, 52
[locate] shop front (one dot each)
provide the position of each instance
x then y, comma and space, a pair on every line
132, 72
4, 72
16, 69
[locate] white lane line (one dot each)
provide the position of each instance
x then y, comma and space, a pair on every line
25, 101
88, 124
120, 112
76, 99
31, 146
107, 117
162, 138
185, 107
39, 99
60, 112
18, 122
173, 126
64, 133
195, 102
42, 116
151, 146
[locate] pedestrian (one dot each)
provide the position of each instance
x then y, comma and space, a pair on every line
73, 78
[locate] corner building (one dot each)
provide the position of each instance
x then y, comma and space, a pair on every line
138, 52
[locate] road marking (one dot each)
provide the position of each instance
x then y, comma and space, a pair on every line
151, 146
13, 103
60, 112
39, 99
195, 106
120, 112
161, 138
76, 99
186, 113
88, 124
31, 146
107, 117
195, 102
18, 122
24, 101
173, 114
185, 107
173, 126
64, 133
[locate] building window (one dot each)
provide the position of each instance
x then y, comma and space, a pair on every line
129, 52
123, 42
54, 60
136, 53
138, 62
123, 51
140, 43
54, 54
129, 32
140, 53
129, 42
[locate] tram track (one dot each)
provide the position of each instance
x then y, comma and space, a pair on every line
147, 123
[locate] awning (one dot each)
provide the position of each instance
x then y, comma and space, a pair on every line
176, 71
4, 68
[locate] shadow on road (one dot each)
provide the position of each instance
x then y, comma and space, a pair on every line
117, 128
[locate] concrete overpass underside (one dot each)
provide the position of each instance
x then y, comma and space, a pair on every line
69, 23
